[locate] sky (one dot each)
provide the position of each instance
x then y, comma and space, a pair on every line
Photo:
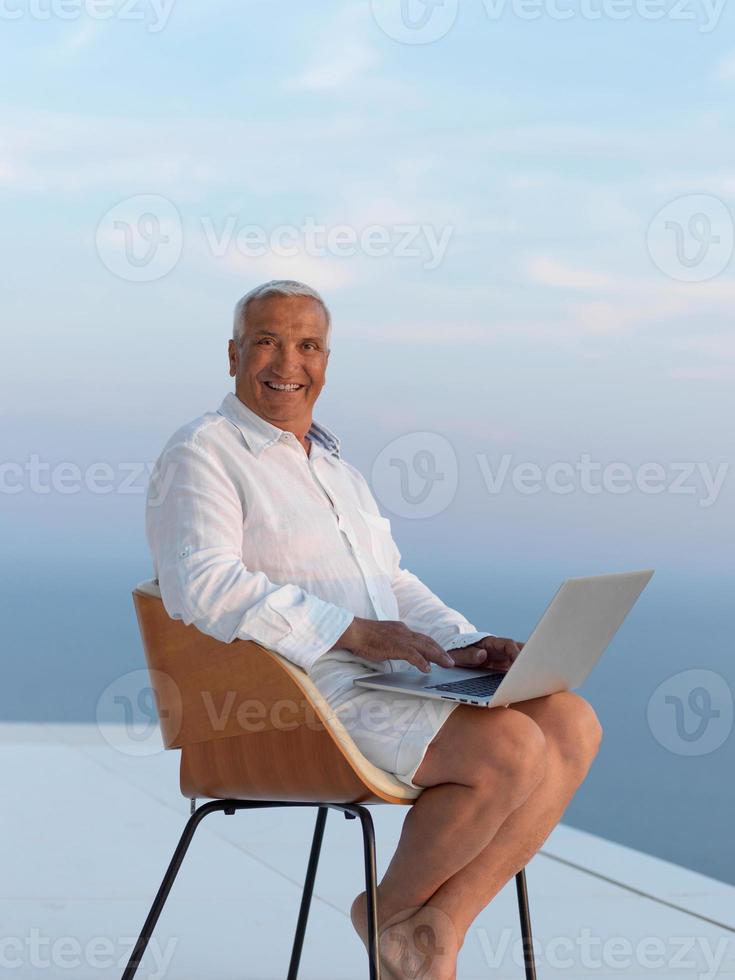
521, 215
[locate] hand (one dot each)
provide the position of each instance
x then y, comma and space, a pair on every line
386, 639
491, 652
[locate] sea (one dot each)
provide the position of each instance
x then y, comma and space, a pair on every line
662, 782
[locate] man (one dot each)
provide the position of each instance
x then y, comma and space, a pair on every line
260, 530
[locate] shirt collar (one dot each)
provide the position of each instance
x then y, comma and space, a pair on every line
260, 434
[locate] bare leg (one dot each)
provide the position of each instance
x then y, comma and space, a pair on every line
573, 737
479, 769
570, 736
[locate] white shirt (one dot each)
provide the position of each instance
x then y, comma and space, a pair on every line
253, 539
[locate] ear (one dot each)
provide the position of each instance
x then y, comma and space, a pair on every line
232, 356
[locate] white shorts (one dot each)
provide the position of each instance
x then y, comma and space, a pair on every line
391, 729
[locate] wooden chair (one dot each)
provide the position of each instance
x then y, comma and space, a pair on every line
254, 731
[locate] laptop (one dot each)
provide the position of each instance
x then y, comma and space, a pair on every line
569, 639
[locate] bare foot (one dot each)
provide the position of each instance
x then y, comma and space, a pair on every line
421, 946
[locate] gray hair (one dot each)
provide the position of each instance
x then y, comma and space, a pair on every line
276, 287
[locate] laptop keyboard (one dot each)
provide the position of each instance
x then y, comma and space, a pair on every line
482, 686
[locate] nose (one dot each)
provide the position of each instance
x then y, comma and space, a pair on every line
286, 363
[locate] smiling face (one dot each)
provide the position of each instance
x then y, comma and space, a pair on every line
280, 361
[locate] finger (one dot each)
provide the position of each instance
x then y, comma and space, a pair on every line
505, 646
421, 662
414, 656
442, 658
431, 650
470, 656
501, 657
428, 644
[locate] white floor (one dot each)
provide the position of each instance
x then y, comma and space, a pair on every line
90, 819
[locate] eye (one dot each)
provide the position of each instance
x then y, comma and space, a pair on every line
309, 344
265, 340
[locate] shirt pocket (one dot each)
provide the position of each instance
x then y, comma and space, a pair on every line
384, 550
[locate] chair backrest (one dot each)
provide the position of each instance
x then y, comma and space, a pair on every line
250, 723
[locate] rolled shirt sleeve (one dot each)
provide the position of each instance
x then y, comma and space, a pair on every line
423, 611
194, 519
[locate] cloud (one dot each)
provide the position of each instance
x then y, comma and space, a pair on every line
609, 316
452, 331
709, 372
551, 272
623, 301
715, 345
714, 354
725, 68
335, 67
82, 36
324, 274
180, 156
720, 183
341, 56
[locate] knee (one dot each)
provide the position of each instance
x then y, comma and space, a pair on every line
577, 731
515, 753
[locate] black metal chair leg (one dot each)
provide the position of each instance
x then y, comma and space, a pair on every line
168, 879
316, 846
525, 915
371, 886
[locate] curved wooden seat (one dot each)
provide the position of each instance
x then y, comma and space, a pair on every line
250, 724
